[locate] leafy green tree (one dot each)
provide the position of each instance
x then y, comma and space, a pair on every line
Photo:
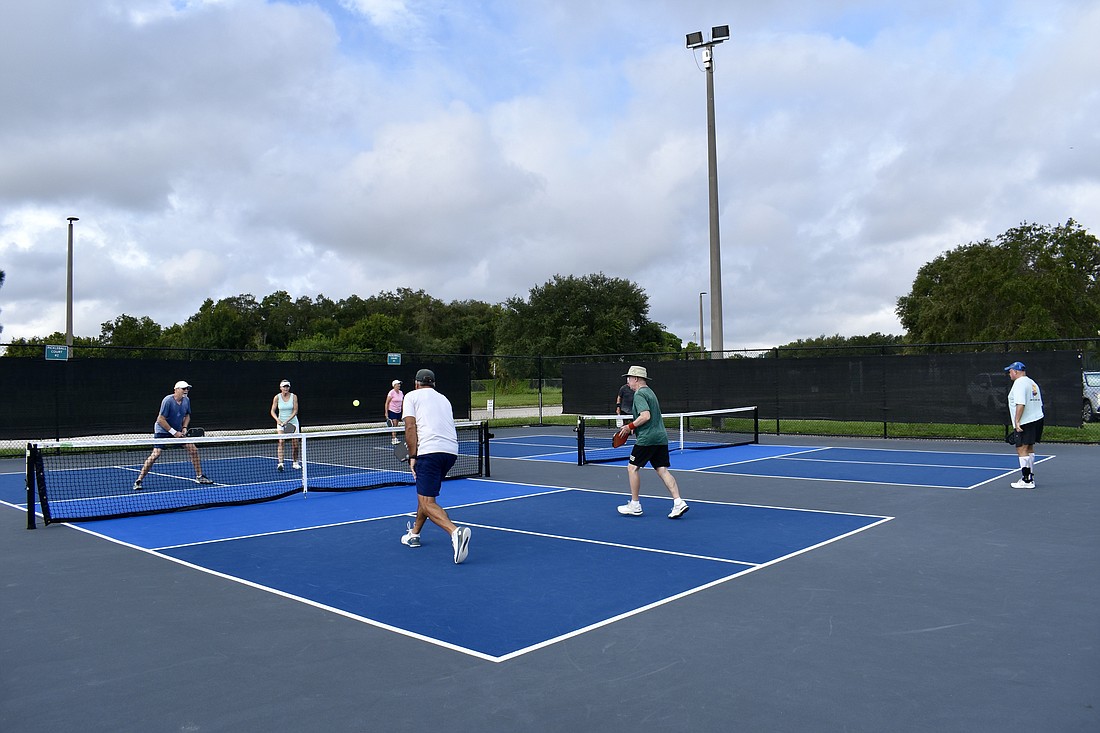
470, 326
593, 314
373, 333
1034, 282
832, 345
130, 331
34, 346
231, 323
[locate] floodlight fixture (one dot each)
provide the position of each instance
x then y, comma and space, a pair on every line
718, 34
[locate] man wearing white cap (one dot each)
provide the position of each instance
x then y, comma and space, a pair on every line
650, 445
395, 400
172, 421
1025, 410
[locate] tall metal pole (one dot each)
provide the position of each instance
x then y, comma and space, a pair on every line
69, 289
715, 242
702, 341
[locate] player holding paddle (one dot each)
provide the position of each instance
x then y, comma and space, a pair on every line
650, 445
432, 443
284, 408
171, 422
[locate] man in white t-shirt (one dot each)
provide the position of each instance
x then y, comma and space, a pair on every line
1025, 410
432, 441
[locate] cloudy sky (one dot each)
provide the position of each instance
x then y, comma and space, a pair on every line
476, 148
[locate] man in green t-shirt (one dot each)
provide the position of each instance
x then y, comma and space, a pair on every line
650, 445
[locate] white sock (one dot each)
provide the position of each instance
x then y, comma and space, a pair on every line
1023, 461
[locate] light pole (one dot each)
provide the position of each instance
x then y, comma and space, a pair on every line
702, 340
69, 289
718, 34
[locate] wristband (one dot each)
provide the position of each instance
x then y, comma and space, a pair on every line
631, 426
173, 432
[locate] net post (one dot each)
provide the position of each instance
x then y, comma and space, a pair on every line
40, 480
483, 449
305, 465
682, 417
31, 524
580, 440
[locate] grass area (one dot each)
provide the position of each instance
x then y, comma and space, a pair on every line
515, 398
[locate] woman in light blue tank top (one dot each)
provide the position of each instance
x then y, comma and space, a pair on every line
284, 408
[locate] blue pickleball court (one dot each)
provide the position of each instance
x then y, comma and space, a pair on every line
545, 563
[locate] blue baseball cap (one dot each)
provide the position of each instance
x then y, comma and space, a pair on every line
1017, 365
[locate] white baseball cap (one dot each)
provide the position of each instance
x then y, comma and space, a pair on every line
396, 382
284, 383
182, 385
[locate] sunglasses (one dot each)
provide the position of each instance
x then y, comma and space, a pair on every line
284, 386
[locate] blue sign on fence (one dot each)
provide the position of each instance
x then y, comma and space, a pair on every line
393, 359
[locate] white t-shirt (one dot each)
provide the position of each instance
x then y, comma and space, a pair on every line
1025, 392
435, 423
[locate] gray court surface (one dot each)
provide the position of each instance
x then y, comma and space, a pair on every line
970, 611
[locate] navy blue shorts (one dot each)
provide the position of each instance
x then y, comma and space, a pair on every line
391, 415
430, 470
654, 455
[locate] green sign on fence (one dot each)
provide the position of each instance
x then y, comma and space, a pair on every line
57, 353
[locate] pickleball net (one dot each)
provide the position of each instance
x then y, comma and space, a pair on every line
81, 480
699, 430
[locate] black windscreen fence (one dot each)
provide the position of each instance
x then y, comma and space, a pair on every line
967, 388
88, 397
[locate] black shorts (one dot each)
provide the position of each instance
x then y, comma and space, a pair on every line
1030, 433
654, 455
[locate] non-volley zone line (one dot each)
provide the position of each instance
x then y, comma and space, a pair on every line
886, 466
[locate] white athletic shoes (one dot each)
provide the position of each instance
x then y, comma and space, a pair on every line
631, 509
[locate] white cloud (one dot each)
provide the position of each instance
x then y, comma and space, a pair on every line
475, 151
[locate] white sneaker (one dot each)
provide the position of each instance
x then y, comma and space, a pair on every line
460, 541
296, 466
410, 539
679, 509
631, 509
1021, 484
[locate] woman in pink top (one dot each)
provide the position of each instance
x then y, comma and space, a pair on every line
394, 402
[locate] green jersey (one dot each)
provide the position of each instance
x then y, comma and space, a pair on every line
652, 432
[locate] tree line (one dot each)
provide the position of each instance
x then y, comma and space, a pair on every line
1032, 282
567, 315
